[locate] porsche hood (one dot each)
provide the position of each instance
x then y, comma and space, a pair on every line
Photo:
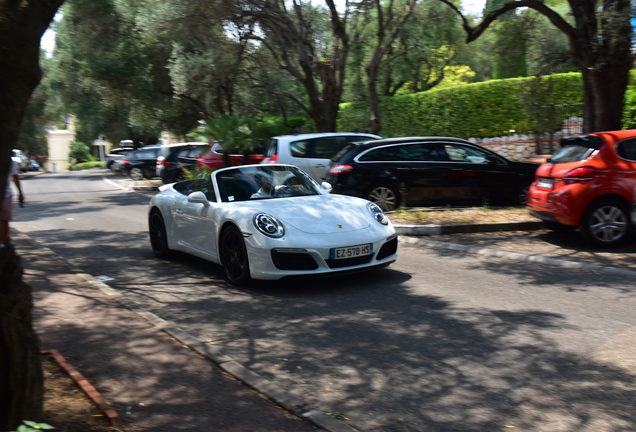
321, 214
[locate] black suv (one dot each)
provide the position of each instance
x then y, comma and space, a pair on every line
116, 154
180, 159
429, 171
141, 163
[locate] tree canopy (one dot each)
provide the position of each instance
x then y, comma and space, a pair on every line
600, 39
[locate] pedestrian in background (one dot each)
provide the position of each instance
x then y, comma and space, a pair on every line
6, 214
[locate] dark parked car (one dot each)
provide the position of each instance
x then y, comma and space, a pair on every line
117, 155
213, 159
141, 163
429, 171
180, 159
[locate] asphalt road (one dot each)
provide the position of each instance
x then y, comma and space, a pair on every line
443, 340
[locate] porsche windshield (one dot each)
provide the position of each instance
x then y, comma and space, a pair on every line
266, 182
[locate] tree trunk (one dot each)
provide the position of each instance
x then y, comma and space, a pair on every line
21, 379
325, 104
604, 91
21, 27
374, 126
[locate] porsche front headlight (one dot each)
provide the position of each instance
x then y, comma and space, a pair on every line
377, 213
268, 225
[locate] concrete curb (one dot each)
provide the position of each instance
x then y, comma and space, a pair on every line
421, 230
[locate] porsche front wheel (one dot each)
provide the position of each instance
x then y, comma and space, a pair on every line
158, 235
234, 257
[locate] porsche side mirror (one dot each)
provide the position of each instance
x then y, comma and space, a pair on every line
198, 197
326, 186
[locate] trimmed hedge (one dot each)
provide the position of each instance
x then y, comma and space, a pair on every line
480, 110
87, 165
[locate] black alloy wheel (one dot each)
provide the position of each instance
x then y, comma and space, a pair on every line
158, 235
522, 196
136, 173
234, 257
385, 196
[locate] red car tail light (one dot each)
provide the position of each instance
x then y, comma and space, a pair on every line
581, 174
273, 159
340, 169
165, 163
126, 162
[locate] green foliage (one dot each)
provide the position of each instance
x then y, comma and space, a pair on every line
264, 130
509, 58
80, 151
480, 110
231, 131
87, 165
629, 111
31, 426
548, 47
196, 174
456, 75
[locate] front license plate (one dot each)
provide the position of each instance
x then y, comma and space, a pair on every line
545, 183
351, 251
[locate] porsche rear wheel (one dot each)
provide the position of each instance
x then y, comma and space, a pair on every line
234, 257
158, 235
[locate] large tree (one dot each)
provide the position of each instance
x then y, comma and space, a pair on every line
390, 24
112, 71
601, 43
22, 24
296, 37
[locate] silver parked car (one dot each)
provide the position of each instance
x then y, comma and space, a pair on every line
311, 152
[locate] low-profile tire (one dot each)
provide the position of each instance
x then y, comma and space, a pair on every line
605, 223
158, 235
559, 227
385, 196
136, 173
234, 257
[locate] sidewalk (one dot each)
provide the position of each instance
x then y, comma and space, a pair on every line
153, 382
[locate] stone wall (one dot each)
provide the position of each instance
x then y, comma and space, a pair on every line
523, 147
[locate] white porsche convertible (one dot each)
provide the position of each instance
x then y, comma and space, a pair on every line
269, 222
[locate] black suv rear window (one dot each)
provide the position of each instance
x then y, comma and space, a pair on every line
342, 152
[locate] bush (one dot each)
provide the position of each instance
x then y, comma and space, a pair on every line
480, 110
80, 151
87, 165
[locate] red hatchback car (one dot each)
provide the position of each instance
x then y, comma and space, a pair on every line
590, 184
214, 158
